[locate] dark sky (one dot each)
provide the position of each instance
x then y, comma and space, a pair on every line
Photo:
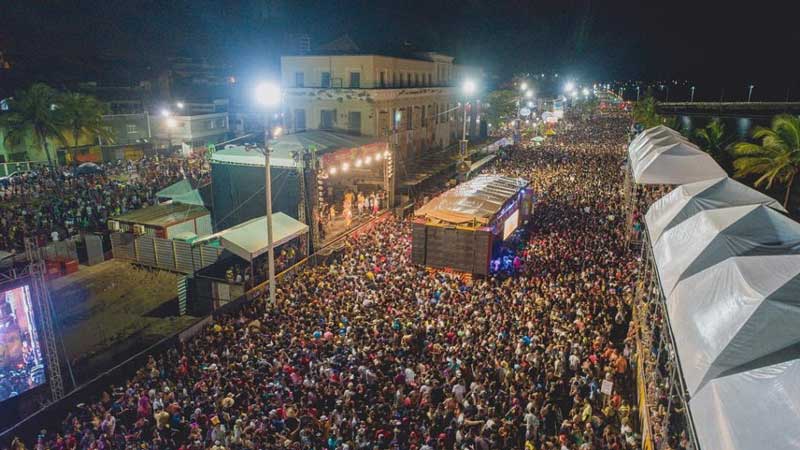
649, 39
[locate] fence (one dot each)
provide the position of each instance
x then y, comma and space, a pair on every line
167, 254
8, 168
64, 250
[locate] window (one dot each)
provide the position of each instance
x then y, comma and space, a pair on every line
409, 120
327, 117
394, 79
131, 128
299, 119
211, 124
397, 119
430, 79
383, 79
299, 79
408, 79
354, 122
355, 79
416, 79
325, 79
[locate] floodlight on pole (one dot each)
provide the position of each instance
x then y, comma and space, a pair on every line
179, 105
268, 95
569, 87
523, 86
165, 112
528, 93
469, 87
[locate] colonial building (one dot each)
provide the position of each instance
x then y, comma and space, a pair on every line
411, 100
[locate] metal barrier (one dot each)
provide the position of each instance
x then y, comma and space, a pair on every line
8, 168
167, 254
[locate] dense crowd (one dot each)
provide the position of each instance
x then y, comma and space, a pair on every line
372, 352
45, 207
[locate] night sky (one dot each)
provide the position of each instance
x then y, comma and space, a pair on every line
600, 40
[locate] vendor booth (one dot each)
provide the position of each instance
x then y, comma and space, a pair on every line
463, 229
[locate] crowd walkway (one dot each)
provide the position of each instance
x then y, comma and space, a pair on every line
374, 353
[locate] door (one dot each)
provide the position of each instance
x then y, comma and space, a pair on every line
354, 122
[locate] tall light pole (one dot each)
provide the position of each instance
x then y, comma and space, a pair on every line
469, 89
268, 95
637, 92
170, 124
750, 93
692, 99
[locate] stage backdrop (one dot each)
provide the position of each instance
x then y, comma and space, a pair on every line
238, 193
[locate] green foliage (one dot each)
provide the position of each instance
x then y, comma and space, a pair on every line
82, 115
777, 158
714, 140
644, 112
33, 112
502, 106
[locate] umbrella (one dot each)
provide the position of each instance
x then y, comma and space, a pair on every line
88, 168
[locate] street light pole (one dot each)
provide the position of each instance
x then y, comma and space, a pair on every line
750, 93
269, 95
692, 100
268, 187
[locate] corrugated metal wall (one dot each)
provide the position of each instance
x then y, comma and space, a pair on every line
161, 253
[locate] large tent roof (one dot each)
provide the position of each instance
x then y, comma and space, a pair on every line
476, 200
729, 317
677, 163
709, 237
248, 240
163, 215
282, 148
660, 130
643, 147
687, 200
754, 409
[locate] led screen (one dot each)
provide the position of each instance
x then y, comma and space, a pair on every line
510, 224
21, 359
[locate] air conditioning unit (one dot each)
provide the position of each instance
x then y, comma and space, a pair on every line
138, 229
113, 225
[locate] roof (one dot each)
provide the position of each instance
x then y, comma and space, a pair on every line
248, 240
283, 147
675, 163
181, 187
163, 215
477, 200
689, 199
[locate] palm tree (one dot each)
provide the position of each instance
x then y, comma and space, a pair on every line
713, 140
776, 159
33, 112
82, 115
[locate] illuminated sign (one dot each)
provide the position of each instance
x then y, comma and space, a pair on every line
511, 224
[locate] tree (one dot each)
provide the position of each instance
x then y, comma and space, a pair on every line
82, 115
777, 158
644, 112
33, 112
502, 106
713, 139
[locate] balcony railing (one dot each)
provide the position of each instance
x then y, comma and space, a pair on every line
378, 85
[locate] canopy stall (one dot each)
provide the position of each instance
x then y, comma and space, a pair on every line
248, 240
722, 283
650, 133
689, 199
711, 236
756, 408
676, 163
735, 316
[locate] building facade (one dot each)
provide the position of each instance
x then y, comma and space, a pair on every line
412, 101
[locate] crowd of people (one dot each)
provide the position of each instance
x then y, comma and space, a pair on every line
372, 352
54, 204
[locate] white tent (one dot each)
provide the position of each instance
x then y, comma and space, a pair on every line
248, 240
677, 163
733, 316
649, 133
660, 138
687, 200
712, 236
757, 408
